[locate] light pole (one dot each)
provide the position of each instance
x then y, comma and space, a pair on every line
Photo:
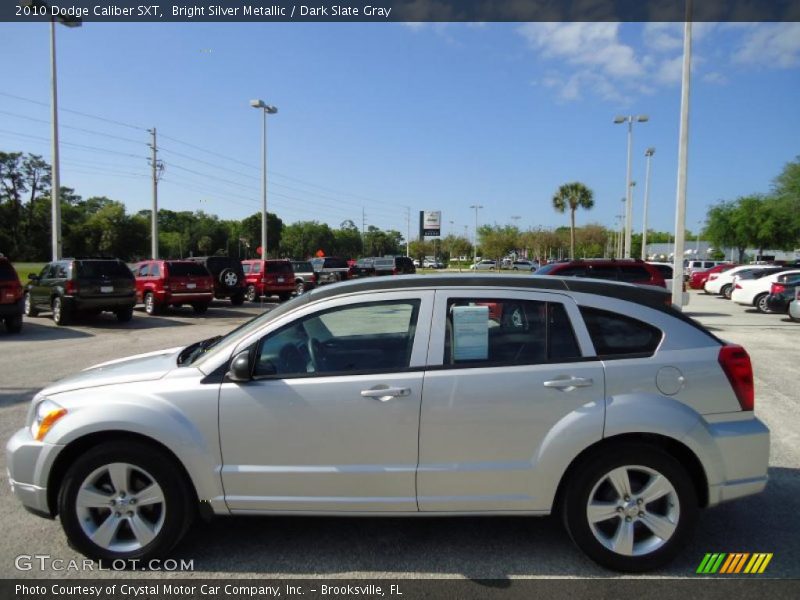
629, 202
55, 195
697, 241
475, 245
648, 155
266, 109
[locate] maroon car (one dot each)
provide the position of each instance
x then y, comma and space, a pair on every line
11, 292
162, 283
629, 271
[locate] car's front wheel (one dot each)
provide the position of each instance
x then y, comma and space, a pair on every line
30, 309
631, 508
251, 294
123, 501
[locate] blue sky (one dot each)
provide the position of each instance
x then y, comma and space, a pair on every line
430, 116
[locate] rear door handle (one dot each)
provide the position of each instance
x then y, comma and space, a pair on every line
569, 383
385, 394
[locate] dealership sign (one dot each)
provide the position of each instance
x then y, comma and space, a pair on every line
430, 223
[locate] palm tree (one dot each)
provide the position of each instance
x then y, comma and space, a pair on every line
573, 196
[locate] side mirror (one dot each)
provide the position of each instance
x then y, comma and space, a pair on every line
240, 367
33, 276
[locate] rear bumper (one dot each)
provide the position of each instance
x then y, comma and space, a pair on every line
183, 297
12, 310
777, 303
100, 302
268, 289
741, 449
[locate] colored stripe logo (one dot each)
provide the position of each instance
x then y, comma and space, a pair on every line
734, 563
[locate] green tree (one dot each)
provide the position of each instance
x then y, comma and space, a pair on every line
572, 196
347, 240
383, 243
496, 241
305, 238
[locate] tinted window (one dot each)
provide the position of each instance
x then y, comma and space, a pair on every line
617, 335
245, 267
371, 337
602, 272
155, 269
546, 269
185, 269
482, 332
364, 262
255, 267
218, 263
279, 267
61, 271
143, 270
7, 272
576, 271
335, 263
384, 263
91, 269
302, 266
633, 273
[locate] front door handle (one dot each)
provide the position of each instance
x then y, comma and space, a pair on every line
569, 383
384, 394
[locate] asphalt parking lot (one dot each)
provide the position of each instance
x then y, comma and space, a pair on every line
402, 548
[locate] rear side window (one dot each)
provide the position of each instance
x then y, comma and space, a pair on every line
665, 270
186, 269
245, 267
335, 263
603, 272
7, 272
218, 263
91, 269
577, 271
279, 267
503, 332
634, 273
618, 336
302, 266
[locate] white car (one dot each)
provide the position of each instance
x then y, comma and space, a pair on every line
722, 283
754, 292
794, 306
484, 265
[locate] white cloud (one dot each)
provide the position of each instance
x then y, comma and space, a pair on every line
775, 45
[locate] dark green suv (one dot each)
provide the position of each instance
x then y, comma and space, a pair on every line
81, 285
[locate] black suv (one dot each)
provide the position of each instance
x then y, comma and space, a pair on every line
228, 277
81, 285
397, 265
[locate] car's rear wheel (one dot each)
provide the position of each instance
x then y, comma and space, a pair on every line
250, 294
123, 501
631, 508
726, 291
124, 314
14, 324
30, 310
760, 303
60, 312
200, 308
151, 307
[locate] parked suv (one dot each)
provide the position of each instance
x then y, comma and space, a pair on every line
364, 267
228, 276
11, 293
409, 396
81, 285
304, 277
268, 278
330, 269
398, 265
629, 271
162, 283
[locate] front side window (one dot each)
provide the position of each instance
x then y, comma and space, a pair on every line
143, 270
507, 332
619, 336
374, 337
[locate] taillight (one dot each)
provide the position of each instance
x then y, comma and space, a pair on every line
735, 361
71, 287
737, 287
777, 288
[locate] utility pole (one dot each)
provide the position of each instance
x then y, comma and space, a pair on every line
157, 169
55, 195
408, 231
648, 155
363, 223
475, 245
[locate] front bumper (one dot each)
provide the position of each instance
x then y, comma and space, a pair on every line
29, 463
742, 458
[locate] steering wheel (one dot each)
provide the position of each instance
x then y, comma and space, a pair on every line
290, 360
316, 352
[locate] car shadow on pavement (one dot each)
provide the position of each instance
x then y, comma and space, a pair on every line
479, 548
138, 322
695, 314
16, 395
33, 331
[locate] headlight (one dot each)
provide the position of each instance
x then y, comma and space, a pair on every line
47, 414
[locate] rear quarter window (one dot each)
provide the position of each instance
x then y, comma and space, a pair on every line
619, 336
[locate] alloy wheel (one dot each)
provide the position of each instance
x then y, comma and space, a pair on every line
120, 507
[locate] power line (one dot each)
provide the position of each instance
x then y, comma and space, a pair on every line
108, 135
43, 139
75, 112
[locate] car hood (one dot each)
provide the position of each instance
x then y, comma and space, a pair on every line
141, 367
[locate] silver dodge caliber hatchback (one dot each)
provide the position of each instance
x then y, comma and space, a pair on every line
437, 395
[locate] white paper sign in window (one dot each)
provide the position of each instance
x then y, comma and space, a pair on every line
470, 332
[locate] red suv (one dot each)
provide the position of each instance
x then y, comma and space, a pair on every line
11, 292
268, 278
161, 283
629, 271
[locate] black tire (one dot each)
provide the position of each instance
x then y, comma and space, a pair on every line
229, 278
14, 324
200, 308
299, 287
760, 302
151, 307
250, 295
61, 314
284, 296
726, 291
30, 309
124, 314
178, 506
237, 299
592, 473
